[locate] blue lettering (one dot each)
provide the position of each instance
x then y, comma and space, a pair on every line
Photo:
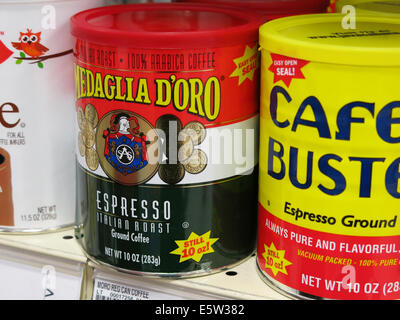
366, 174
278, 155
337, 177
293, 168
344, 118
392, 179
320, 123
384, 122
274, 105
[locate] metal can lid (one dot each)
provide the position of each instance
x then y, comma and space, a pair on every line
273, 8
375, 41
166, 26
374, 7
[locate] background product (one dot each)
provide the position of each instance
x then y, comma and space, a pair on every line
382, 8
332, 6
272, 9
36, 111
167, 111
329, 161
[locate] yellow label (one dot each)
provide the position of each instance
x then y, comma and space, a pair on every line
247, 64
329, 153
194, 247
275, 259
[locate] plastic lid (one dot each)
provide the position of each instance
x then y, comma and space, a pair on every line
374, 7
166, 25
321, 37
274, 7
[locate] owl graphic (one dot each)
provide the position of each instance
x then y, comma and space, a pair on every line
30, 44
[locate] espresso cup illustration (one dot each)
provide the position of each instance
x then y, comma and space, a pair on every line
6, 203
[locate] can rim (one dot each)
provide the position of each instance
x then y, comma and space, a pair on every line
163, 275
360, 6
245, 32
272, 39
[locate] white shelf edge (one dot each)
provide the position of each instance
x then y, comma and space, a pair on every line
245, 285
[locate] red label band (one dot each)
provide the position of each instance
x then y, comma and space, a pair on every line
214, 86
328, 265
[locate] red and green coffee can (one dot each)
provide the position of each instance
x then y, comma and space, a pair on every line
167, 123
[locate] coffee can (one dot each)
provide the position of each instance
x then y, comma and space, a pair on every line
328, 225
36, 149
167, 123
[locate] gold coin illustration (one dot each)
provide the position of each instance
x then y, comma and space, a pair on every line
197, 162
91, 115
81, 117
185, 146
81, 145
88, 134
92, 159
197, 131
171, 173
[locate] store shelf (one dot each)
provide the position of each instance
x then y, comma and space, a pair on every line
61, 250
40, 267
60, 244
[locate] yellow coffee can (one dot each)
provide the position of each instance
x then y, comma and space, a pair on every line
388, 8
329, 224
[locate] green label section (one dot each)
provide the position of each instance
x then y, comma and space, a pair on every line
167, 229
